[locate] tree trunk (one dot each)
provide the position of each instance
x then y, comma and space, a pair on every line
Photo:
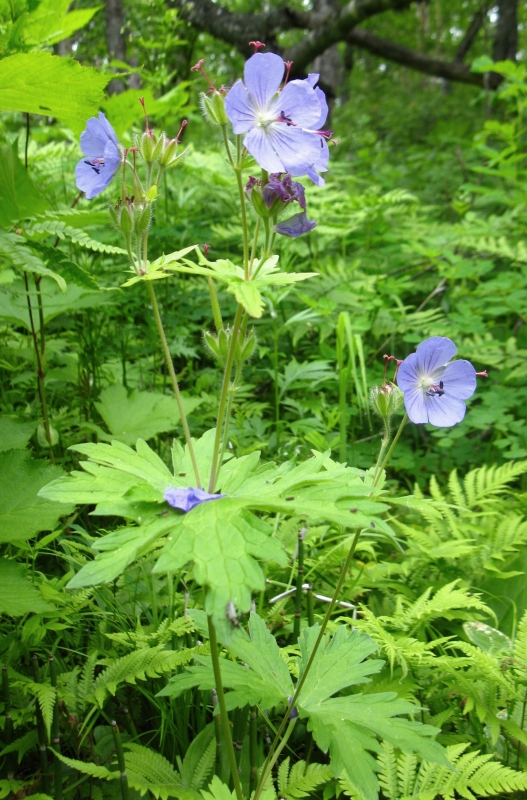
115, 39
505, 45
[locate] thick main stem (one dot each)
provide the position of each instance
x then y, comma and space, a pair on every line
224, 398
309, 664
175, 385
224, 719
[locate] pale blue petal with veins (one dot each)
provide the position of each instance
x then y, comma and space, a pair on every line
433, 389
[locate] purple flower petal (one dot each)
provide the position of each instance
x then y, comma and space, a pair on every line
188, 498
99, 144
296, 148
295, 225
240, 109
263, 75
299, 103
459, 379
444, 414
260, 146
414, 403
435, 352
324, 110
408, 373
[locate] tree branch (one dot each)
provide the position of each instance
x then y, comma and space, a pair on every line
336, 29
450, 70
472, 31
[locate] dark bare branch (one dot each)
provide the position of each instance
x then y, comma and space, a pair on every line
472, 31
450, 70
336, 29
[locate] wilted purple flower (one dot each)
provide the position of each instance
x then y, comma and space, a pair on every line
433, 389
295, 225
284, 189
99, 145
280, 126
188, 498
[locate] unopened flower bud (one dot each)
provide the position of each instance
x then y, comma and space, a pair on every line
259, 205
213, 106
122, 214
211, 342
245, 347
143, 216
147, 144
386, 400
159, 147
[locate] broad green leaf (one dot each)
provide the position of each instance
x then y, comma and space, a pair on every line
17, 595
13, 303
210, 535
339, 664
19, 196
139, 415
22, 513
51, 23
262, 677
40, 83
118, 550
14, 434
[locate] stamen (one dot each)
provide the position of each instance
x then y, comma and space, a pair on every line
199, 68
288, 65
257, 45
483, 374
282, 118
147, 126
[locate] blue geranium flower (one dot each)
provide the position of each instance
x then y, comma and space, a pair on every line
102, 157
434, 390
188, 498
280, 126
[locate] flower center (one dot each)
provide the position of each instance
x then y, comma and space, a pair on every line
96, 164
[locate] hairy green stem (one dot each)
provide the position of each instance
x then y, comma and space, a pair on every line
173, 378
224, 719
390, 451
309, 664
299, 583
223, 399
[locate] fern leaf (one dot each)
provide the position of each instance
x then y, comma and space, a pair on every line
204, 766
94, 770
61, 230
151, 662
406, 773
283, 776
388, 775
150, 771
487, 482
302, 785
46, 697
456, 490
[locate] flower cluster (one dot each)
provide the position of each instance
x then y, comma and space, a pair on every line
272, 197
281, 125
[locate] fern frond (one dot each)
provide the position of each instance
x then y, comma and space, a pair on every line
204, 766
150, 771
388, 774
488, 482
151, 662
283, 776
406, 773
87, 768
302, 785
456, 491
63, 231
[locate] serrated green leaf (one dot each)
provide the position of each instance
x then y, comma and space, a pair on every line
86, 768
40, 83
17, 595
199, 759
15, 434
22, 512
209, 535
139, 415
248, 295
218, 791
150, 771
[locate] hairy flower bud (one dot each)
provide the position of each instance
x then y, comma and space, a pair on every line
386, 400
143, 217
123, 215
146, 144
219, 345
213, 107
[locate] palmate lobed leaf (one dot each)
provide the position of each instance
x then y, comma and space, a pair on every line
131, 483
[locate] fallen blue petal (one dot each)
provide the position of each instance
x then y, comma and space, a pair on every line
188, 498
